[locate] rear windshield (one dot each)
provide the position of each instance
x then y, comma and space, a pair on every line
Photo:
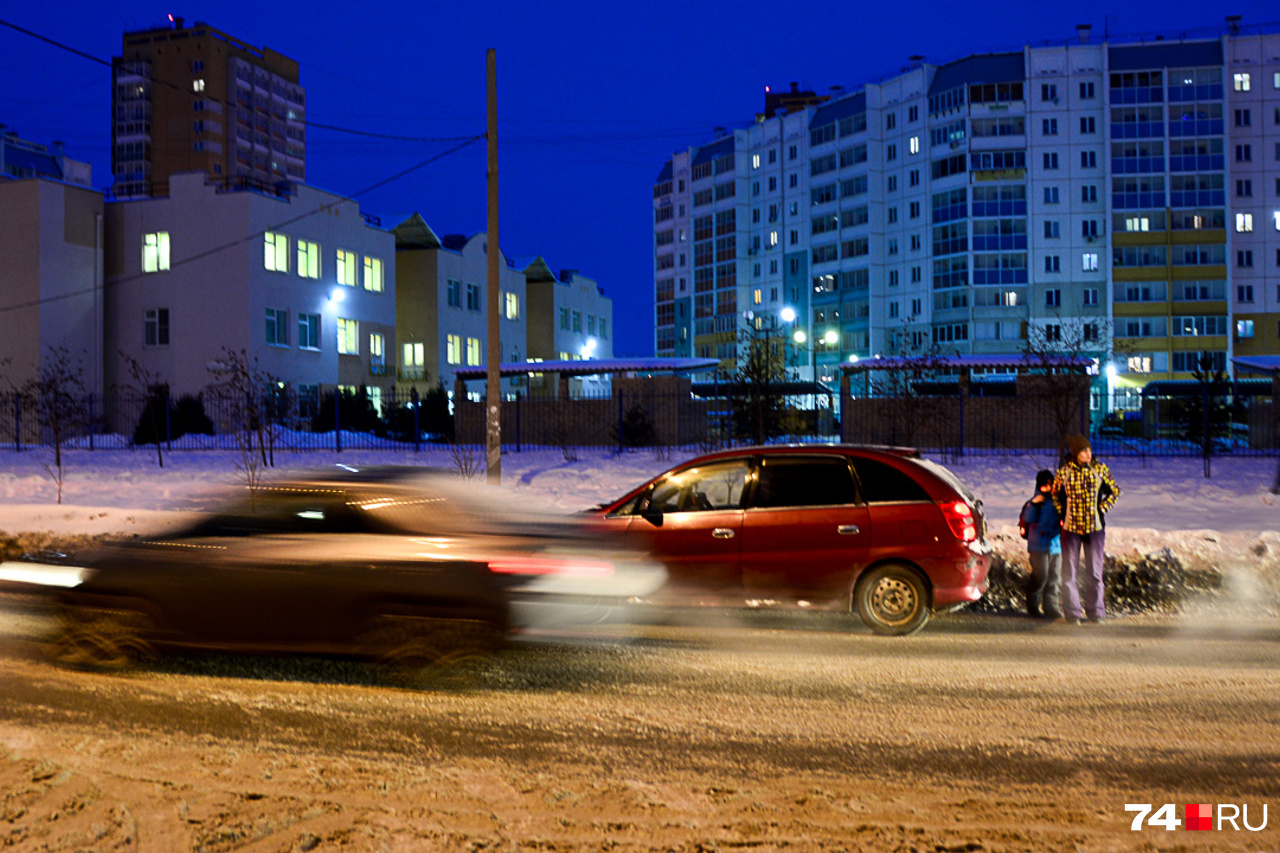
950, 479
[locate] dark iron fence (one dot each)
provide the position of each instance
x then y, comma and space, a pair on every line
949, 424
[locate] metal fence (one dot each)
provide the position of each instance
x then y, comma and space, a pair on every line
947, 424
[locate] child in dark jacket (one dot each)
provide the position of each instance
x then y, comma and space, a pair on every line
1040, 519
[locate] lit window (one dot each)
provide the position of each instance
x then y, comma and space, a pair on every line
1244, 328
913, 145
1242, 82
376, 343
373, 274
1244, 222
346, 268
756, 297
1276, 216
453, 349
1137, 223
414, 356
276, 252
1139, 364
348, 337
155, 251
197, 85
308, 259
755, 161
1089, 261
513, 306
473, 351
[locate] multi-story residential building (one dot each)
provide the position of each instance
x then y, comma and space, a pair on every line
569, 316
1117, 200
300, 280
51, 292
441, 297
197, 99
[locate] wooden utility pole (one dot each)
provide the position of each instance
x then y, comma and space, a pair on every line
493, 384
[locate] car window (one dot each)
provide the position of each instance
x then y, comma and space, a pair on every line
282, 512
718, 485
882, 483
804, 482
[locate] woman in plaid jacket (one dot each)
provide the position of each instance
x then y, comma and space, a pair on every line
1083, 491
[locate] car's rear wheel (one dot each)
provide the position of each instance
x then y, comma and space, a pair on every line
892, 599
100, 637
416, 642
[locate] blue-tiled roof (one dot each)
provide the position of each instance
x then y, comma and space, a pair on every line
716, 149
833, 111
665, 174
1169, 55
987, 68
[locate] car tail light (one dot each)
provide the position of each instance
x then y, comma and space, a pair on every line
520, 565
960, 517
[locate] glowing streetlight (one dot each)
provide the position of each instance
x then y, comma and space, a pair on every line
788, 314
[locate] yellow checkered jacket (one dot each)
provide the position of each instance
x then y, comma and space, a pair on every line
1082, 493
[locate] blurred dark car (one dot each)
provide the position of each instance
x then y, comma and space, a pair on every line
401, 565
880, 531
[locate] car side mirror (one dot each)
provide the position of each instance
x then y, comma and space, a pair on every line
653, 516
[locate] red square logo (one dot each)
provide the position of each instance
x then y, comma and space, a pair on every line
1199, 816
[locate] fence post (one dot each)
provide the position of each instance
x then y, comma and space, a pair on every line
168, 423
416, 403
17, 422
519, 444
91, 419
619, 423
963, 394
337, 417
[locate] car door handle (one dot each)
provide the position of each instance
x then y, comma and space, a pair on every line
722, 533
848, 529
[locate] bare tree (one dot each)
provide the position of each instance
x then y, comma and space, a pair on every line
1062, 355
154, 394
757, 401
246, 391
58, 394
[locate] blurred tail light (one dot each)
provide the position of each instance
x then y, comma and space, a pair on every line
551, 566
960, 518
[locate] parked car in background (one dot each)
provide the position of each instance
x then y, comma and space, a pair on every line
401, 565
879, 531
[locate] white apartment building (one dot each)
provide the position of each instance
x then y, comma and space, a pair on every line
1121, 200
301, 281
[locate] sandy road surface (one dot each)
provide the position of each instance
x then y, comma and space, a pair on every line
776, 732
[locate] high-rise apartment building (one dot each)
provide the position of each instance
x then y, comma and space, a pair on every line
196, 99
1118, 200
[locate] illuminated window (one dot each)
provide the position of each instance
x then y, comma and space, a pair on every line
453, 349
197, 85
1089, 261
155, 251
1139, 364
1137, 223
414, 357
276, 252
1241, 82
473, 351
1244, 222
1244, 328
373, 274
377, 353
913, 145
308, 259
513, 306
348, 337
346, 268
756, 297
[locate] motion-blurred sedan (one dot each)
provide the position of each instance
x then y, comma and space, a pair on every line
401, 565
880, 531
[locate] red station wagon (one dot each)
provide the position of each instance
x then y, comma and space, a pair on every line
877, 530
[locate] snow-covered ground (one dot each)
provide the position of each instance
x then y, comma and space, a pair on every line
1164, 501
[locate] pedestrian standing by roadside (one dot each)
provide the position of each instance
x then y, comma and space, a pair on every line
1083, 491
1042, 528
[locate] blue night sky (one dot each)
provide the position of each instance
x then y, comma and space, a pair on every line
592, 97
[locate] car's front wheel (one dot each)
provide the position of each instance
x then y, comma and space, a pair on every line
892, 599
100, 637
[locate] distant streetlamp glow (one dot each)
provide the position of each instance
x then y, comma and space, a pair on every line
831, 337
788, 314
337, 295
588, 348
800, 336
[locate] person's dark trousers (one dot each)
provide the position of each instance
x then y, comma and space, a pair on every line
1044, 584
